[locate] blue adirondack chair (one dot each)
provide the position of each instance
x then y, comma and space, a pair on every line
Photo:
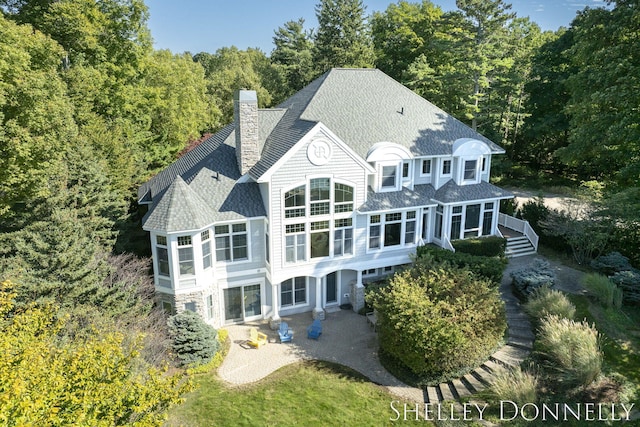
286, 334
314, 330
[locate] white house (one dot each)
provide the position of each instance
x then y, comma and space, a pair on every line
293, 209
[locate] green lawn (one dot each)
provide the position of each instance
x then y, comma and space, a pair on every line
310, 394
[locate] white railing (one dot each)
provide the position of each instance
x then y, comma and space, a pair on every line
519, 226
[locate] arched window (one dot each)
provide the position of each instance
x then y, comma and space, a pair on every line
294, 202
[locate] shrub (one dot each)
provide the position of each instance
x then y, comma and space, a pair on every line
611, 263
571, 349
535, 212
194, 341
545, 302
603, 289
490, 268
629, 282
515, 384
532, 277
491, 246
438, 320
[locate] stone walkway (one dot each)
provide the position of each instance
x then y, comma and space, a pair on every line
348, 339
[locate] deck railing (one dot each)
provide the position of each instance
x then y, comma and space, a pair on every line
520, 226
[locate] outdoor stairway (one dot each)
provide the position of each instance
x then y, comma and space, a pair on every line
519, 246
518, 346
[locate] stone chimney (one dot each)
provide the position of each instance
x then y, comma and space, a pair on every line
245, 115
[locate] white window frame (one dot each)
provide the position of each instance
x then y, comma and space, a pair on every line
207, 255
343, 230
422, 164
397, 176
383, 221
162, 244
294, 303
442, 163
230, 234
463, 171
185, 246
295, 239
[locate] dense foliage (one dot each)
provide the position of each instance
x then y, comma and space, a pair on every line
488, 267
544, 302
194, 341
490, 246
437, 320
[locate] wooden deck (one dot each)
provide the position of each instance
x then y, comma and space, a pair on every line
509, 233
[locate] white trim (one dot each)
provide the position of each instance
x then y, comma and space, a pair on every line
307, 138
388, 150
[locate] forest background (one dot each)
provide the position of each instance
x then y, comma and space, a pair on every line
89, 111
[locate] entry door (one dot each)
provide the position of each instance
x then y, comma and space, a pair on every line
331, 289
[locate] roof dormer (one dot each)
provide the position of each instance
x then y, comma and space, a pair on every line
469, 154
392, 165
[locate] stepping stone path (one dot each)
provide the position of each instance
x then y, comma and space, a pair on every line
519, 344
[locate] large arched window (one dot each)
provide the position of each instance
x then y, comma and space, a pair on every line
294, 202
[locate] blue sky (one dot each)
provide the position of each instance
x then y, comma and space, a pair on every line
207, 25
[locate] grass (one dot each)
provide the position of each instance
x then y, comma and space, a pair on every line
311, 393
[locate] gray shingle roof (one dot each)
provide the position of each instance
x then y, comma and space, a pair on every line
421, 195
362, 107
454, 193
180, 208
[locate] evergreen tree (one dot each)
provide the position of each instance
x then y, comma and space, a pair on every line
343, 38
194, 341
293, 54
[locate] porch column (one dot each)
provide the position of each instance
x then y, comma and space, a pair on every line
318, 312
274, 302
357, 292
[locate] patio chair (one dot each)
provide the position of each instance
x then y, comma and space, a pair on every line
314, 330
256, 339
286, 334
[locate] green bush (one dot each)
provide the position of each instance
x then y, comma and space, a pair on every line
491, 246
490, 268
532, 277
535, 212
571, 349
629, 282
194, 342
611, 263
438, 320
515, 384
545, 302
604, 290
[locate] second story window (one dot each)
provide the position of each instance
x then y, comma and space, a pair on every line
185, 256
231, 242
343, 237
295, 243
206, 249
343, 195
162, 255
392, 229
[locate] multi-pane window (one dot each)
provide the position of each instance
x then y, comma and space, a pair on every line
487, 220
343, 237
231, 242
389, 176
206, 249
294, 202
210, 312
343, 198
484, 163
293, 292
392, 229
185, 256
456, 222
295, 239
426, 167
470, 170
472, 221
319, 239
374, 232
162, 255
267, 250
410, 228
446, 167
320, 193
